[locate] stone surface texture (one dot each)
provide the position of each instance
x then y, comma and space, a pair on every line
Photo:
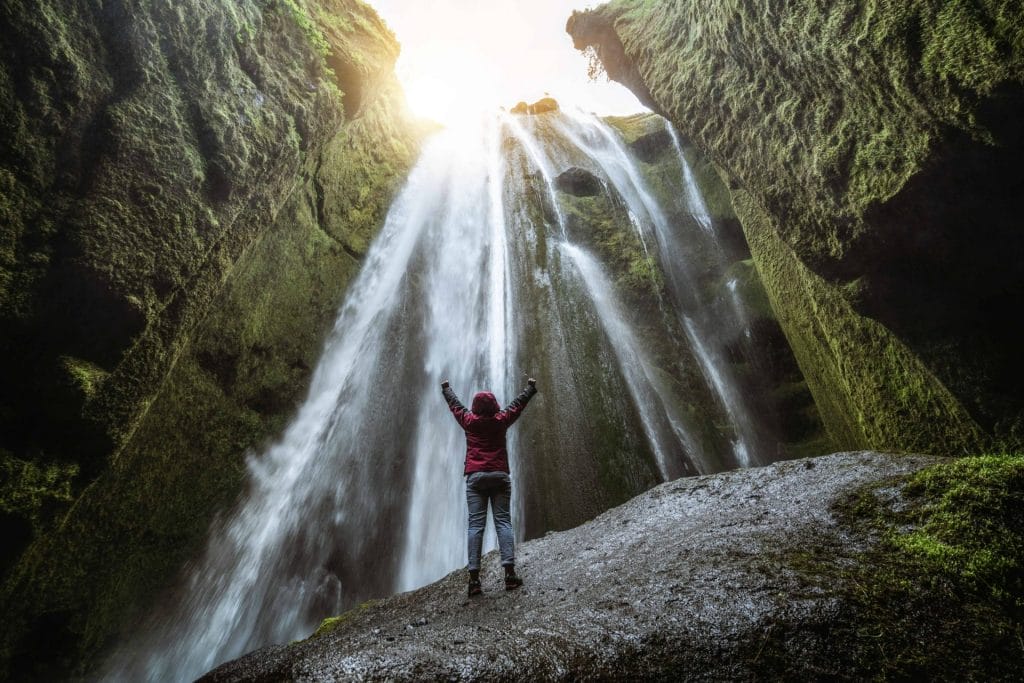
691, 580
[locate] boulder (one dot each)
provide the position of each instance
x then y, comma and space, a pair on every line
738, 576
544, 105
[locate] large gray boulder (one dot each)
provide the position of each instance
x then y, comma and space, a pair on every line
699, 578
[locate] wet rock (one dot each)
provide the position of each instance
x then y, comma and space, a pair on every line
700, 579
174, 168
579, 182
650, 146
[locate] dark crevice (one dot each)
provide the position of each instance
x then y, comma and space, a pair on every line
352, 252
943, 272
351, 82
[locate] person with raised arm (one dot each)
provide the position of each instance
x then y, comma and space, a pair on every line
487, 475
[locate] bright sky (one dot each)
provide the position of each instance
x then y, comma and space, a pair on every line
459, 56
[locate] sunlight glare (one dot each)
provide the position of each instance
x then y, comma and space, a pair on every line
462, 56
449, 87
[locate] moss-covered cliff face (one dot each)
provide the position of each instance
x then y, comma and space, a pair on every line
185, 190
871, 150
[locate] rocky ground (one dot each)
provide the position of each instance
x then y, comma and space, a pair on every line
726, 576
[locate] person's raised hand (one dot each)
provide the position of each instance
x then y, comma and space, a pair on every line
532, 382
444, 384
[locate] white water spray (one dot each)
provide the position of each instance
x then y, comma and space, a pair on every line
649, 393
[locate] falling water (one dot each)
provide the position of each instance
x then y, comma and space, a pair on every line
648, 392
540, 160
694, 199
708, 327
431, 289
363, 493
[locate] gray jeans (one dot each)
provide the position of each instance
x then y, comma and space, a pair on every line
497, 488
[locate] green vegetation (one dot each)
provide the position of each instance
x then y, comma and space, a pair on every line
882, 395
785, 400
968, 525
634, 126
300, 16
941, 596
34, 492
570, 480
332, 623
606, 227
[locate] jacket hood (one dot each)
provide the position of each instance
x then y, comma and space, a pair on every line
484, 404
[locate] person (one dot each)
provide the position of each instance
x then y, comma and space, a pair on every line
487, 475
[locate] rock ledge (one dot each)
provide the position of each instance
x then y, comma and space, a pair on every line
686, 580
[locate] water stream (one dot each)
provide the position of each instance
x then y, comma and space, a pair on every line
709, 325
470, 280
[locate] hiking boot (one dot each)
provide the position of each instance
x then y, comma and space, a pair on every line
474, 588
512, 582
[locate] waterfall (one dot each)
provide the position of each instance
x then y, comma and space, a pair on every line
466, 342
708, 327
694, 199
468, 281
648, 392
428, 304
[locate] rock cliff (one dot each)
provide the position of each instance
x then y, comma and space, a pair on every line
807, 570
871, 152
186, 188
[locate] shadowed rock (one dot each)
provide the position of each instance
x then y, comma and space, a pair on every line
579, 182
648, 147
851, 152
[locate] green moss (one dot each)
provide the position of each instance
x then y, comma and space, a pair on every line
605, 226
968, 519
333, 623
573, 477
34, 491
941, 595
300, 15
872, 391
86, 376
635, 126
228, 241
749, 288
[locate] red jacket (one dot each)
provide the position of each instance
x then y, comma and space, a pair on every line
485, 428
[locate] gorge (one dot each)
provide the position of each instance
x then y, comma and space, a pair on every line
235, 271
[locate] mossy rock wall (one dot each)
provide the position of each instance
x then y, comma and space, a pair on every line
872, 153
186, 190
